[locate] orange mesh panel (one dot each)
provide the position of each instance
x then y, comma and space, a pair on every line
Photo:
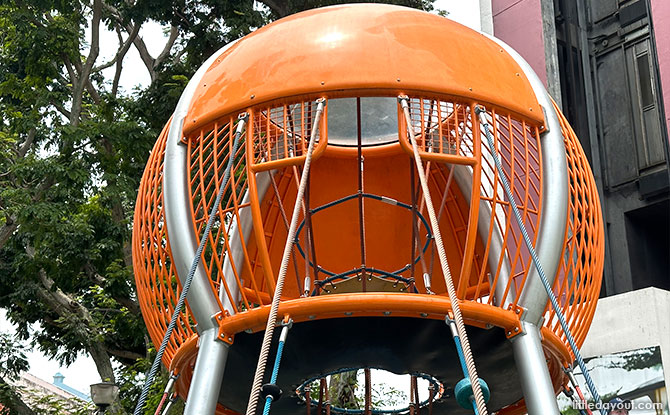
445, 128
158, 288
442, 129
577, 284
209, 152
518, 147
282, 132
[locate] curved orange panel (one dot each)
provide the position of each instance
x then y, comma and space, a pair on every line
365, 46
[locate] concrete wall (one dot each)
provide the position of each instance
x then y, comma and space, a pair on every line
631, 321
660, 15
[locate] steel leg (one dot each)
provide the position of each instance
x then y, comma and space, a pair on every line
533, 372
203, 393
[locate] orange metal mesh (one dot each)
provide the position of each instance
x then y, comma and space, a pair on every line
577, 284
518, 147
209, 151
282, 132
440, 126
450, 131
444, 129
158, 288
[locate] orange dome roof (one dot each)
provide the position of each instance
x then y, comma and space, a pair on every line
382, 49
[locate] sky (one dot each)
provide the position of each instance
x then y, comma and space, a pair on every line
82, 373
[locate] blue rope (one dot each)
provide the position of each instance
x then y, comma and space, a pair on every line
275, 371
538, 265
187, 283
461, 358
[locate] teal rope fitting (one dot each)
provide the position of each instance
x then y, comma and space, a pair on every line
480, 111
464, 395
271, 391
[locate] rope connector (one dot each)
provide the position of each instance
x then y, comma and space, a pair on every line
272, 391
287, 322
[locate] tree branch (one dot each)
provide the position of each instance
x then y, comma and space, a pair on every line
61, 109
83, 79
280, 10
125, 354
7, 230
174, 34
21, 153
65, 306
144, 54
15, 404
123, 49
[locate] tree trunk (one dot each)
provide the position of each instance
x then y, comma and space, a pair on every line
343, 388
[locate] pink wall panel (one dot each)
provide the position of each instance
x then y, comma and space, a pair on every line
660, 14
519, 24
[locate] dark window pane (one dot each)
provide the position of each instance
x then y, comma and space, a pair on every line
645, 80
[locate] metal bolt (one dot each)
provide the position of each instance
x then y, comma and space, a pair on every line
323, 83
398, 79
424, 314
312, 317
230, 339
348, 313
516, 329
530, 109
253, 96
470, 88
387, 313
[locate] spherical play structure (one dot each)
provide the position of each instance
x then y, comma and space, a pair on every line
377, 168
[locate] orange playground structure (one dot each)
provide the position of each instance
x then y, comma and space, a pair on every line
350, 147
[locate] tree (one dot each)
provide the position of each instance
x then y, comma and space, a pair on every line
12, 362
73, 144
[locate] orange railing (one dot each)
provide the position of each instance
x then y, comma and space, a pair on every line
488, 257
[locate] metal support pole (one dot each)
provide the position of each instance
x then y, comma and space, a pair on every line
554, 198
203, 394
536, 385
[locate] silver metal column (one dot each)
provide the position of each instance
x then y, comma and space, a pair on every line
212, 354
554, 199
533, 372
534, 375
203, 393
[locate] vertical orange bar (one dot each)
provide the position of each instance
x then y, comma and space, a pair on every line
255, 206
285, 130
471, 237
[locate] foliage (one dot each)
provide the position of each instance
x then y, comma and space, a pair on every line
73, 144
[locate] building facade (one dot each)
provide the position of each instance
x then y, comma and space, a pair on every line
607, 64
57, 397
